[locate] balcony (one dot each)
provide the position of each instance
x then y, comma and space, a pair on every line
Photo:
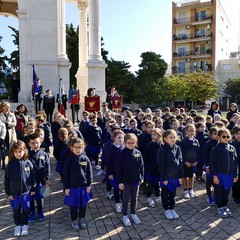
193, 20
193, 54
191, 68
184, 38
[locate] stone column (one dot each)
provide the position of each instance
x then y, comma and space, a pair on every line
96, 65
61, 30
81, 75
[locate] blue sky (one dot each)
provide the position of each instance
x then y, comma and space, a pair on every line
129, 27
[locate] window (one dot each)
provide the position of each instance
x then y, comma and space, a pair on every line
181, 51
227, 67
181, 67
203, 32
203, 65
182, 18
203, 15
202, 49
197, 16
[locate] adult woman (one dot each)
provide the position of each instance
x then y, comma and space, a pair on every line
10, 121
232, 109
214, 109
22, 118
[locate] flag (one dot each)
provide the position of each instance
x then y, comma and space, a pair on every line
61, 107
92, 104
35, 78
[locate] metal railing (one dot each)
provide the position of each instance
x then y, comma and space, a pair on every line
191, 19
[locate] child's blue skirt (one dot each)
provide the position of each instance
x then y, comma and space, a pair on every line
154, 180
172, 184
225, 180
22, 200
114, 183
38, 194
78, 197
59, 167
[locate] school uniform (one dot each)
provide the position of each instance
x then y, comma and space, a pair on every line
55, 126
130, 172
143, 142
151, 167
169, 161
208, 146
19, 181
202, 138
223, 164
236, 185
77, 176
93, 136
41, 164
111, 168
47, 131
190, 153
137, 132
84, 124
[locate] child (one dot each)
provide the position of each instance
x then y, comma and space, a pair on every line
113, 154
3, 147
77, 180
93, 137
130, 172
236, 186
174, 124
59, 147
169, 158
223, 166
213, 133
20, 185
202, 138
134, 129
190, 152
84, 123
43, 145
152, 173
41, 164
209, 122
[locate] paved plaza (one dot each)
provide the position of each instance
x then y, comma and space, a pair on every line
197, 219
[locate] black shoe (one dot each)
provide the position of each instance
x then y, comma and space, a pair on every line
236, 201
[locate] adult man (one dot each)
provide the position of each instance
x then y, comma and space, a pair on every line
49, 105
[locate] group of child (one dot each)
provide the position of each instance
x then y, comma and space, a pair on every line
157, 152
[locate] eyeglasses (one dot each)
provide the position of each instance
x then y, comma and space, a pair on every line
130, 143
225, 137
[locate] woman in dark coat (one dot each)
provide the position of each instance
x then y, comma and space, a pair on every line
214, 109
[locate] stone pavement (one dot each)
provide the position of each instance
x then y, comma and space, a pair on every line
197, 219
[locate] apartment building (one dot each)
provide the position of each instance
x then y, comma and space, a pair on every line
201, 35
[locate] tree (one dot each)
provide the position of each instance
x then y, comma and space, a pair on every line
14, 59
232, 88
72, 51
200, 86
150, 78
118, 75
104, 52
2, 60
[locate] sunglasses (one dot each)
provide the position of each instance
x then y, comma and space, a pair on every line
225, 137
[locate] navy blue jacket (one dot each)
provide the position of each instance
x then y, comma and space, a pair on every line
202, 138
130, 168
169, 161
83, 127
59, 147
208, 146
19, 177
236, 144
144, 140
93, 135
77, 171
137, 132
112, 159
41, 163
190, 150
223, 159
54, 128
150, 161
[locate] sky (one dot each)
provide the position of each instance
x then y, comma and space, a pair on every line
128, 27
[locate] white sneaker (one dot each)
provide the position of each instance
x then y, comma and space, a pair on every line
135, 219
192, 194
158, 199
97, 167
150, 202
175, 215
100, 172
118, 207
186, 194
168, 214
126, 221
17, 231
24, 230
109, 195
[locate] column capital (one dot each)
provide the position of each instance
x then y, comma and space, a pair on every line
82, 4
